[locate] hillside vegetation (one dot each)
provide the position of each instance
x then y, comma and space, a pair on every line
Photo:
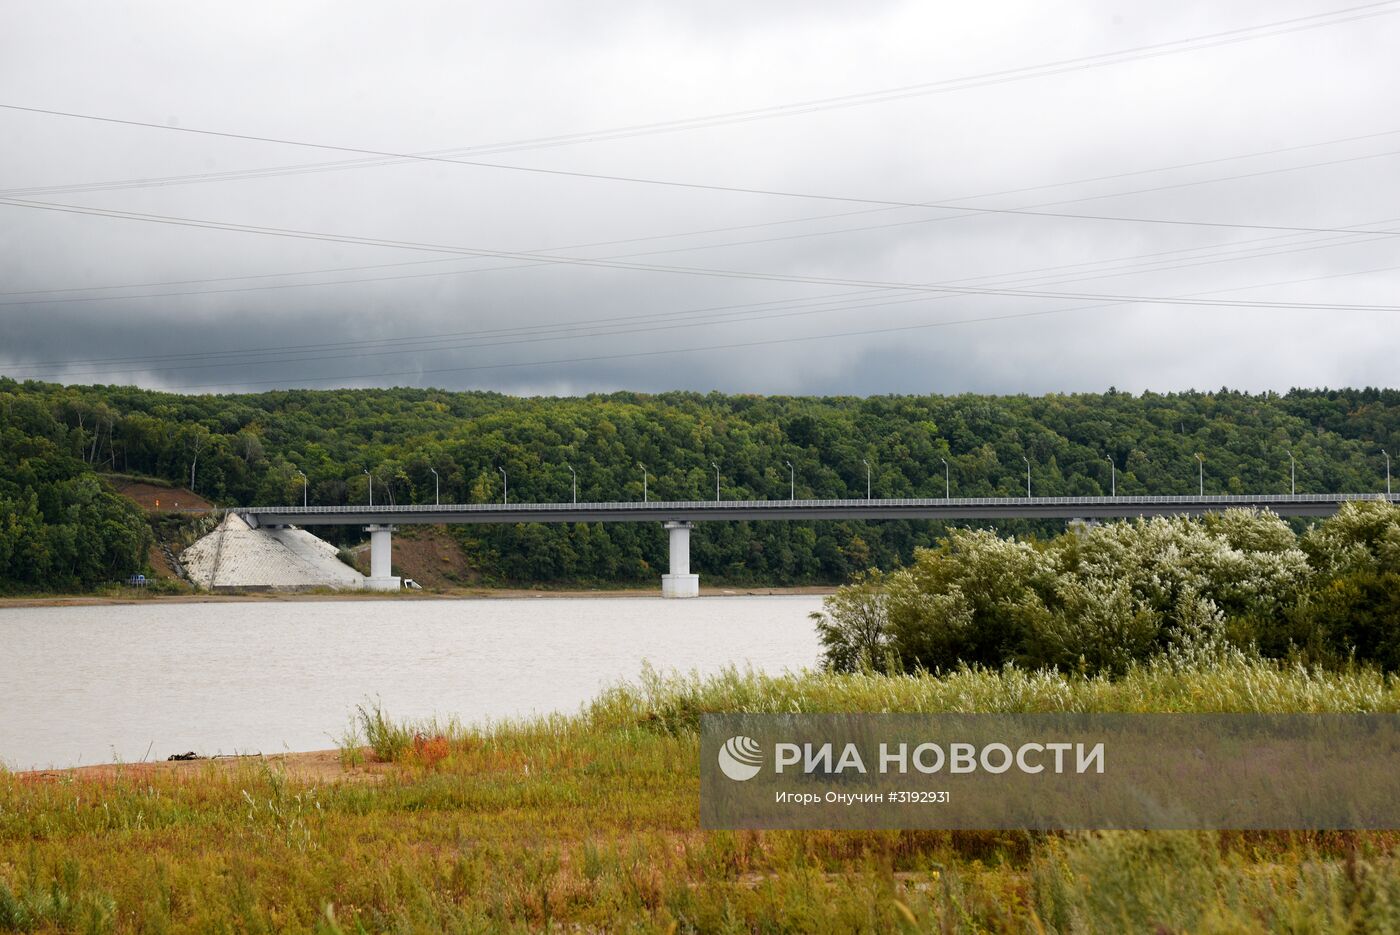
248, 449
61, 527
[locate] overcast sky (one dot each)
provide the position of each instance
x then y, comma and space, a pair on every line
1242, 118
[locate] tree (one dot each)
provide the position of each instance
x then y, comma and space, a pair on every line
853, 626
196, 440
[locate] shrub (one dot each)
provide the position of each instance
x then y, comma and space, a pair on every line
970, 600
852, 626
1096, 626
1106, 597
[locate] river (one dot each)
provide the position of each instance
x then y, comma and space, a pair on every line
87, 685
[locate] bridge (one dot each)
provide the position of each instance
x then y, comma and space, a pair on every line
679, 515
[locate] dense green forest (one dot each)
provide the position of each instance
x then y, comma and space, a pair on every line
249, 449
60, 526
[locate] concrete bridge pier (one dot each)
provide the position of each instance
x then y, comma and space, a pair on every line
381, 563
680, 582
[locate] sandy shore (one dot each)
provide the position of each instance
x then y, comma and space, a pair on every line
312, 766
104, 600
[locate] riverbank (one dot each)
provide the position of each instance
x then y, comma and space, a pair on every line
455, 594
312, 766
591, 823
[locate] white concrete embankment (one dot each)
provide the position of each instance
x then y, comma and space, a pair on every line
236, 556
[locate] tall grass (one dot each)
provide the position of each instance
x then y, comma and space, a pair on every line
674, 702
589, 823
389, 741
58, 900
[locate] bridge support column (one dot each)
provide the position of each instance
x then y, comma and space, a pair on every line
680, 582
381, 564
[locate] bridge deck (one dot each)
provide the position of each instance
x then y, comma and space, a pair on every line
694, 510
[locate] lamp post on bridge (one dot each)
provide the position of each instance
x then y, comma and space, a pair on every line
644, 482
792, 481
1387, 472
573, 481
370, 485
1028, 475
303, 488
716, 467
505, 486
1112, 477
1292, 474
437, 488
947, 481
1201, 473
867, 477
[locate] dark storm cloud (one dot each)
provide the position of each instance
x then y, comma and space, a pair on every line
449, 76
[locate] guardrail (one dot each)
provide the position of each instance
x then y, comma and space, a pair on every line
919, 507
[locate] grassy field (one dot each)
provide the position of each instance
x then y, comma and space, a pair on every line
589, 823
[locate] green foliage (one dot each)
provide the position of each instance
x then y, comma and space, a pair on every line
1103, 598
248, 449
61, 528
1229, 683
1348, 605
1179, 881
852, 626
388, 740
57, 900
970, 600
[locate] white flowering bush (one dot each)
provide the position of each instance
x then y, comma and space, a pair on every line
1242, 561
971, 600
1095, 626
1104, 597
1362, 537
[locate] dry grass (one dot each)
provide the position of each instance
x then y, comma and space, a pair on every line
590, 824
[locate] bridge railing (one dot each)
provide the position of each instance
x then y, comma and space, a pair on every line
698, 506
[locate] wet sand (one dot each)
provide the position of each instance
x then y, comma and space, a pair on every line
312, 766
103, 600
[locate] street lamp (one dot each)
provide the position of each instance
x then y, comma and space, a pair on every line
437, 488
1387, 472
1201, 472
371, 487
1028, 474
303, 490
867, 477
1112, 476
716, 467
1292, 474
792, 481
947, 481
505, 486
644, 482
573, 480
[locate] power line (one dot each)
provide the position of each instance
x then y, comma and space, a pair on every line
571, 260
651, 238
736, 189
822, 303
715, 347
721, 245
552, 332
361, 280
891, 205
659, 322
1044, 69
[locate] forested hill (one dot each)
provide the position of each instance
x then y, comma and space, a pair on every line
248, 449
